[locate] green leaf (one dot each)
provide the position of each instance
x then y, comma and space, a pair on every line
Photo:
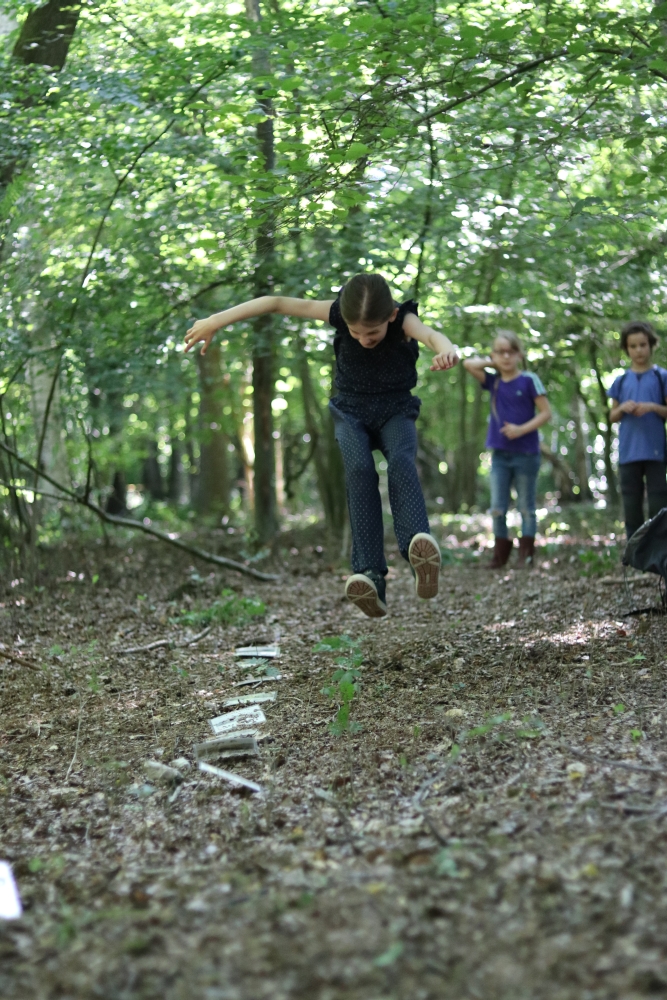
355, 150
338, 41
389, 956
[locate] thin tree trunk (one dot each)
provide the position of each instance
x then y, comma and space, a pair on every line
608, 433
581, 460
263, 355
327, 457
213, 486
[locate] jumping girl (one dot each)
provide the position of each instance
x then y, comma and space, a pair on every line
376, 348
513, 440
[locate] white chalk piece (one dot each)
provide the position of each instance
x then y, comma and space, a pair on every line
232, 745
256, 698
233, 779
10, 901
245, 720
267, 652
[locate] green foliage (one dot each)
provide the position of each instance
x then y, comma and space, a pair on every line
228, 610
596, 562
343, 688
504, 166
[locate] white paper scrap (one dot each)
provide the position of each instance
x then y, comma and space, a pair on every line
263, 651
233, 779
256, 698
10, 901
244, 720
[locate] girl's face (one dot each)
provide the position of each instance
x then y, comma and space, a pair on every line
639, 349
505, 356
370, 335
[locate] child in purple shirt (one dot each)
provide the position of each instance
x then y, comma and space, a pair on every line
514, 441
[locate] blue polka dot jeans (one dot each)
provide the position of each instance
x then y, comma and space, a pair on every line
396, 438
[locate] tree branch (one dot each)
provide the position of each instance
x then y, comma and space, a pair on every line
126, 522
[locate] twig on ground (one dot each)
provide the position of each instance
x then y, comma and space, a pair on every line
20, 659
147, 529
76, 742
163, 642
639, 768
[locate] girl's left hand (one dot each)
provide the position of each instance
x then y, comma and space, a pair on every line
511, 431
441, 362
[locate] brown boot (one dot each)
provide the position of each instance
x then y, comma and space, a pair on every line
526, 551
501, 553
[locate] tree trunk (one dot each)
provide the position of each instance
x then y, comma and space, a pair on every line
581, 459
470, 445
327, 457
47, 33
263, 355
212, 495
44, 40
152, 473
608, 433
562, 473
174, 485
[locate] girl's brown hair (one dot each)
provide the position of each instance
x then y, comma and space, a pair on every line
638, 326
366, 298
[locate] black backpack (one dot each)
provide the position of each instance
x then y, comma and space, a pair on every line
647, 549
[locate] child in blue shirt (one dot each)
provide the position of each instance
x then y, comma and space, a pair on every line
514, 441
638, 401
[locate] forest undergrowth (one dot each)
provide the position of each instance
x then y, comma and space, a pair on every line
488, 820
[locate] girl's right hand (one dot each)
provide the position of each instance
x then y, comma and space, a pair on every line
202, 329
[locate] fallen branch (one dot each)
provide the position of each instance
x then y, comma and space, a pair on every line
127, 522
163, 642
20, 659
624, 764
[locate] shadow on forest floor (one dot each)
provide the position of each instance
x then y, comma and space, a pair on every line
496, 829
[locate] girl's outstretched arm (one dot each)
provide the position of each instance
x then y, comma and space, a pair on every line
445, 352
476, 367
205, 329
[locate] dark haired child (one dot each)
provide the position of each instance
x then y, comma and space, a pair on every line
638, 400
513, 440
376, 347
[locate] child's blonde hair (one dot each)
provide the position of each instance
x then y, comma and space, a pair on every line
512, 339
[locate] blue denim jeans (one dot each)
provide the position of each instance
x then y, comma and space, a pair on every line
396, 438
511, 468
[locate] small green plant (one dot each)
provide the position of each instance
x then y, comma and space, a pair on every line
227, 610
636, 735
596, 562
343, 687
619, 709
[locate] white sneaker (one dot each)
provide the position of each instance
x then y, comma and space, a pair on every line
362, 591
424, 557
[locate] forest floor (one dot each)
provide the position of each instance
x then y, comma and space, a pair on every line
379, 864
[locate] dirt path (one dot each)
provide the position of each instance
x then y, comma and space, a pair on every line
376, 865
